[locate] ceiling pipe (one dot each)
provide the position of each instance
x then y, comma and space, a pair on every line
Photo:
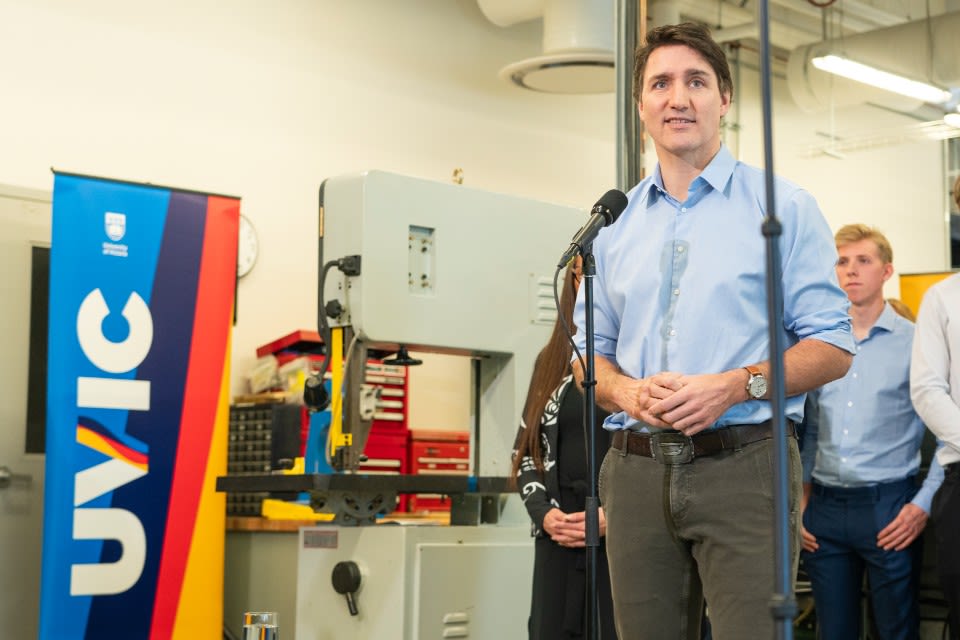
785, 32
747, 31
927, 51
856, 17
782, 34
869, 12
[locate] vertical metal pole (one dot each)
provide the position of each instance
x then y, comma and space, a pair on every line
629, 173
629, 149
591, 510
783, 605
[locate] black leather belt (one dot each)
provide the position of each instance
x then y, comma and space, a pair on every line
672, 447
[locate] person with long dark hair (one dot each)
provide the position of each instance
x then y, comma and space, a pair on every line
551, 473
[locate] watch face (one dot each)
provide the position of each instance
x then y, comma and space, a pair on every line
758, 386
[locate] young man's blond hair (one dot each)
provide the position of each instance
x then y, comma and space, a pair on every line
851, 233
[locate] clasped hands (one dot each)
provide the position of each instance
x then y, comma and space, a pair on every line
570, 529
686, 403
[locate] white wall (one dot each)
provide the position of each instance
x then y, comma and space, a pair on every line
440, 393
266, 99
897, 188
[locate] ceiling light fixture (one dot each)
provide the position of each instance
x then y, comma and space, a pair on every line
577, 41
952, 119
882, 79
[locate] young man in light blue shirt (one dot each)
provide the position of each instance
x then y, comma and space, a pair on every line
861, 454
682, 346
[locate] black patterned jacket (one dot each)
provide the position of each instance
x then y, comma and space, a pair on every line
540, 494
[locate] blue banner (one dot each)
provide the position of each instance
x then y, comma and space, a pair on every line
141, 294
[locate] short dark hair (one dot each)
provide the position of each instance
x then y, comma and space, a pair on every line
690, 34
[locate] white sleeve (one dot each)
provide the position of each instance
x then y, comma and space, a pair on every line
930, 373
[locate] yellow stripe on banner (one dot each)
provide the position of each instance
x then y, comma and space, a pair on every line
335, 353
200, 610
97, 443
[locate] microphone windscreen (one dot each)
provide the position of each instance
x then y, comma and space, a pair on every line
614, 202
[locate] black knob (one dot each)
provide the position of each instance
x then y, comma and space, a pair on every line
402, 358
346, 580
333, 309
315, 394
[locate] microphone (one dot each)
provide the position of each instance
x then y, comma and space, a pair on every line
605, 212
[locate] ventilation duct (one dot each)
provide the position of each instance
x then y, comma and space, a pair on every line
578, 54
924, 50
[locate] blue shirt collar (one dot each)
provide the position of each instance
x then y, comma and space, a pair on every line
717, 174
888, 317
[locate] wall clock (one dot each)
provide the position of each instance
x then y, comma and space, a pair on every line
247, 248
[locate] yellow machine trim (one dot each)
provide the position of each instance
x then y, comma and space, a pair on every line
335, 353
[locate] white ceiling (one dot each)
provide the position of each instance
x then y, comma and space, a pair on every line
793, 23
797, 22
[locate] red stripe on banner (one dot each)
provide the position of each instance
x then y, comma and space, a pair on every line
115, 448
211, 326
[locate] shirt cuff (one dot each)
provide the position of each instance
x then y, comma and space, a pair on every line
923, 499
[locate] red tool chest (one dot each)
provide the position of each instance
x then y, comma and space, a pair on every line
437, 452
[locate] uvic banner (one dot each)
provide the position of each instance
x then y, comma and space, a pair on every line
142, 282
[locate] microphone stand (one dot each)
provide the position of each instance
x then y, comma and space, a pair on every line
592, 506
783, 605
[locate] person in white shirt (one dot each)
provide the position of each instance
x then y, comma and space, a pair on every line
935, 389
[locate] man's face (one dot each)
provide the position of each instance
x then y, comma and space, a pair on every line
861, 272
681, 104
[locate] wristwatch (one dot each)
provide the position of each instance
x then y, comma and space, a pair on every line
757, 383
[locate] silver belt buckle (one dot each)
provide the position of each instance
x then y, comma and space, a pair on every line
671, 448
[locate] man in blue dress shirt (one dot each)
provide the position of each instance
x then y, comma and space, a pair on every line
863, 510
681, 338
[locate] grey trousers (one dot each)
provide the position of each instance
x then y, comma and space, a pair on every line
679, 534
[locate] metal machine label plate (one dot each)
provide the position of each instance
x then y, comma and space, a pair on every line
320, 539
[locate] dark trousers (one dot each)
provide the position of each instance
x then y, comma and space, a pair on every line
558, 606
846, 523
678, 533
945, 515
